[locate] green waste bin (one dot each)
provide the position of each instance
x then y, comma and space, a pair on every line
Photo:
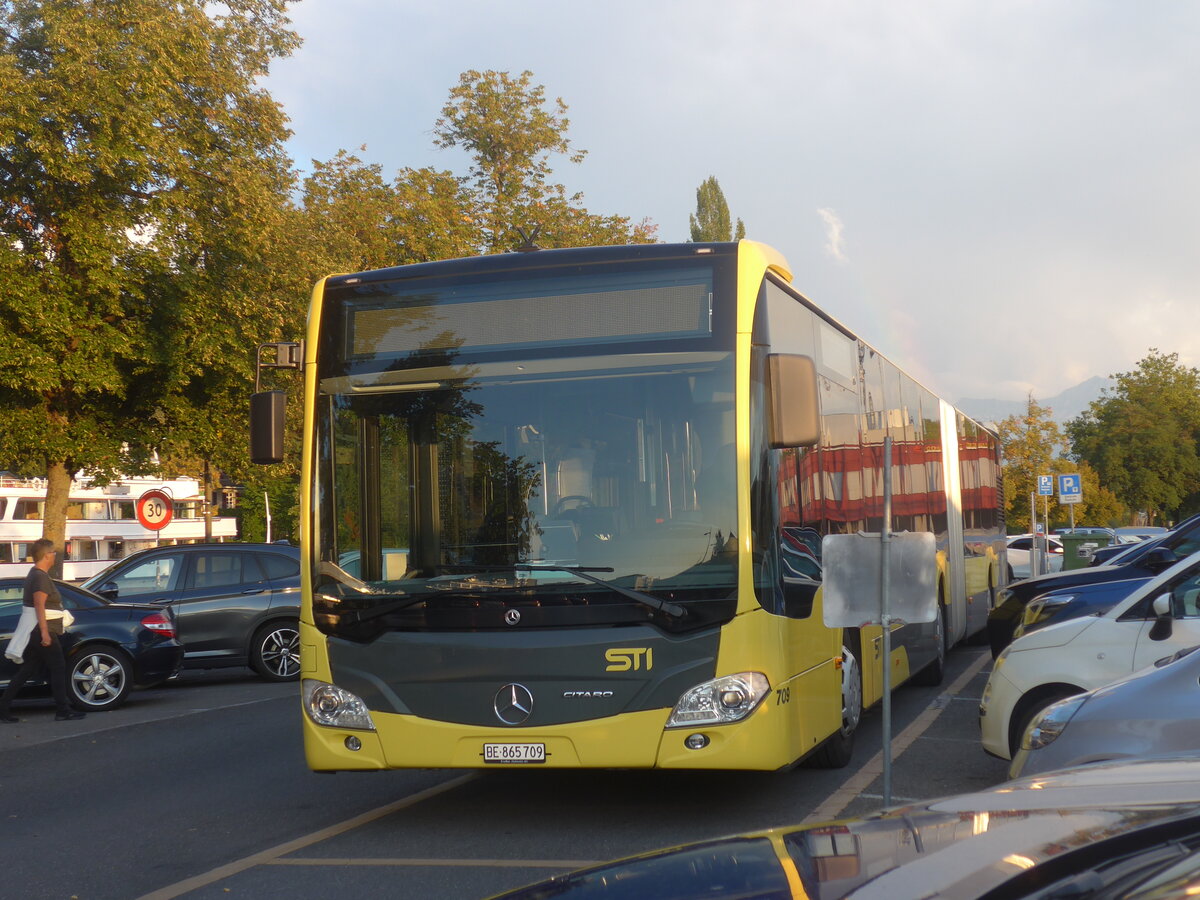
1078, 548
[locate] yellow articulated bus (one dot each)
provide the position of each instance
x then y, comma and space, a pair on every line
564, 508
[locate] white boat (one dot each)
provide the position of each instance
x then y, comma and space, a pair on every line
102, 522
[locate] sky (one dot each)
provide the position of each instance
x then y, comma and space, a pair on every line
1001, 197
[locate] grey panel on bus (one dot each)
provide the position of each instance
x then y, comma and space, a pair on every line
853, 564
573, 675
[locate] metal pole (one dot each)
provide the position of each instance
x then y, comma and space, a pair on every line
1046, 532
885, 618
1034, 554
267, 510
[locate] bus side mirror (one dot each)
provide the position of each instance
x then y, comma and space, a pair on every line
266, 427
793, 410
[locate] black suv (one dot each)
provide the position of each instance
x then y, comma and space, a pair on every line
234, 604
1146, 561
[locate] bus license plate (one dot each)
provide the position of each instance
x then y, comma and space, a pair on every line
514, 753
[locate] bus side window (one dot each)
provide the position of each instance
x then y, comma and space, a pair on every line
800, 550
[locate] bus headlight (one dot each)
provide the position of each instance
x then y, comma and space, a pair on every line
328, 704
720, 701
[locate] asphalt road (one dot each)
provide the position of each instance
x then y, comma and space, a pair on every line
199, 789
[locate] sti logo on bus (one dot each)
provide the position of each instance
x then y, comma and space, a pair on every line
624, 659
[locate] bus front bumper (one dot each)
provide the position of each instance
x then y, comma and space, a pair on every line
632, 740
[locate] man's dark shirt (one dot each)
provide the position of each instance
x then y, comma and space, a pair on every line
37, 580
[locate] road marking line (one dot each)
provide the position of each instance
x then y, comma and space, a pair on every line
855, 786
267, 857
86, 730
449, 863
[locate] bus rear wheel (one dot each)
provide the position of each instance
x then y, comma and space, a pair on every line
935, 671
835, 753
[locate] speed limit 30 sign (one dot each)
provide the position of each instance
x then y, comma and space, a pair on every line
154, 509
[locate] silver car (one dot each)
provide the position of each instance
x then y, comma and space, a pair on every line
1149, 713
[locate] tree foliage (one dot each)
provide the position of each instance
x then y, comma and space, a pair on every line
1033, 445
149, 239
351, 217
511, 133
1030, 441
142, 183
711, 221
1141, 436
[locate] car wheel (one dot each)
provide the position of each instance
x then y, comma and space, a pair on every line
100, 678
275, 653
835, 753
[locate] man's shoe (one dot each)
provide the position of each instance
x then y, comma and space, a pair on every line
5, 717
68, 716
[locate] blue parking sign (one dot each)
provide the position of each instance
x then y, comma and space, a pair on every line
1070, 488
1045, 485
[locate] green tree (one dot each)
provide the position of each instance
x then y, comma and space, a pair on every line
143, 183
352, 219
1100, 506
1141, 437
1034, 445
711, 221
511, 134
1031, 440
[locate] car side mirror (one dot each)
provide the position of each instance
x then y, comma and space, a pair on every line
109, 590
1163, 623
1160, 558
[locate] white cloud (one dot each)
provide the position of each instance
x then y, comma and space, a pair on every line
1020, 176
835, 242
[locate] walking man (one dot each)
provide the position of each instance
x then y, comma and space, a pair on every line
43, 651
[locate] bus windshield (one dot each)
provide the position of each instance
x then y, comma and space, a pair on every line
578, 490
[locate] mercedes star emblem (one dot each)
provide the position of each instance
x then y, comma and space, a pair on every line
512, 616
513, 704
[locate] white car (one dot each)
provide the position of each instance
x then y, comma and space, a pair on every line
1157, 619
1020, 547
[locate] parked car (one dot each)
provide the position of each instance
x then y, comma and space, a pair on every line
1084, 653
1134, 533
1020, 548
1113, 553
1145, 560
110, 647
234, 604
1071, 602
395, 563
1088, 529
1128, 830
1149, 713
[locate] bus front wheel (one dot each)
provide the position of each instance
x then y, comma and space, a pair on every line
835, 753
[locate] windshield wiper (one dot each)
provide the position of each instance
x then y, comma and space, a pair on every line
393, 604
584, 572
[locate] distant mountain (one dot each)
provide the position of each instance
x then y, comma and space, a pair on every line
1067, 405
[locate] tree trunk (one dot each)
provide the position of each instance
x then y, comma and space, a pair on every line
54, 517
